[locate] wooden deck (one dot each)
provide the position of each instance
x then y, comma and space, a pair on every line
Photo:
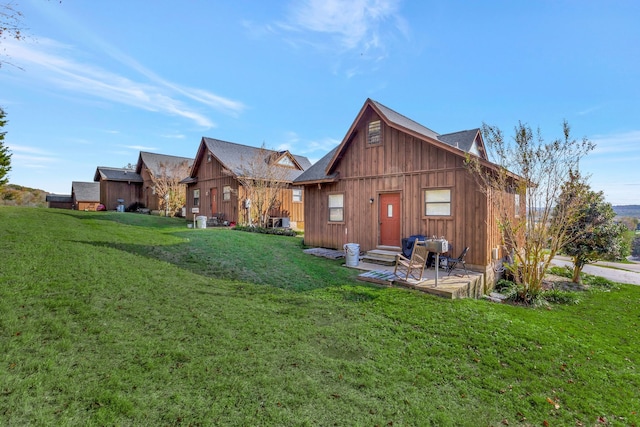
457, 285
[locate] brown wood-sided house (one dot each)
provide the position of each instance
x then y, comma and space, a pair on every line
59, 201
213, 186
85, 196
155, 165
118, 186
391, 178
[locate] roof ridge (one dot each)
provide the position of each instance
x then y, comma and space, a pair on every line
379, 104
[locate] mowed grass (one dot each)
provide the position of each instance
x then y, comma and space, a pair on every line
125, 319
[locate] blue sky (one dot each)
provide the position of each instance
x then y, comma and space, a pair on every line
100, 81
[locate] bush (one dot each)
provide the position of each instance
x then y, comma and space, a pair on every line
557, 296
598, 282
264, 230
562, 271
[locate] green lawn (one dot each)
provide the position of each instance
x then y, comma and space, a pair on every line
125, 319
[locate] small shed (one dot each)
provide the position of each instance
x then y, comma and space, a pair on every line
85, 195
59, 201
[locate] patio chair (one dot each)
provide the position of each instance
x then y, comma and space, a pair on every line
412, 267
452, 263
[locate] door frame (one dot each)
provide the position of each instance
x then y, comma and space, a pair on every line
398, 193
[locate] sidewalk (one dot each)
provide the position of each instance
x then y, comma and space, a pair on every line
618, 272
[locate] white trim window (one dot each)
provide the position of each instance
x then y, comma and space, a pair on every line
437, 202
196, 197
226, 192
296, 195
336, 207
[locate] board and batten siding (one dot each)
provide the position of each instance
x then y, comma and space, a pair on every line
406, 165
111, 191
211, 174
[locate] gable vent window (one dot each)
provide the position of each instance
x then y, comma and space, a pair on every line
374, 135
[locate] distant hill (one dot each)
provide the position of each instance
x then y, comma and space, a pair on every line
632, 211
17, 195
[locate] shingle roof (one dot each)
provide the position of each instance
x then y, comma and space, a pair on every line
234, 156
400, 120
60, 198
317, 171
116, 174
463, 139
86, 191
153, 161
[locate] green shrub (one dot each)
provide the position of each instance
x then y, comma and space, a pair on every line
263, 230
565, 271
598, 282
557, 296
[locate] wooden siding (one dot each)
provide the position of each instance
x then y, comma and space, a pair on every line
211, 174
111, 191
149, 199
409, 166
61, 205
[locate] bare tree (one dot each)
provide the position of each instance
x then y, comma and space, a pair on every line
10, 24
530, 172
171, 193
263, 178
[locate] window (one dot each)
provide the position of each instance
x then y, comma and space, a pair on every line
375, 132
196, 198
226, 192
516, 201
437, 202
336, 207
297, 194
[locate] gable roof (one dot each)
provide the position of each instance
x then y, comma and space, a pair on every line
464, 140
316, 173
153, 161
116, 174
233, 157
86, 191
460, 143
398, 119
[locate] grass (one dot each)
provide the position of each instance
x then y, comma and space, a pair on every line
125, 319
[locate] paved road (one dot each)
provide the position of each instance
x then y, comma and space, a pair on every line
621, 273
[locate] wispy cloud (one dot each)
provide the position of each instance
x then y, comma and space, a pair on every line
30, 157
358, 28
356, 24
56, 64
313, 148
140, 147
625, 142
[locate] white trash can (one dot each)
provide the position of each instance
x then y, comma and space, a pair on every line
352, 254
201, 222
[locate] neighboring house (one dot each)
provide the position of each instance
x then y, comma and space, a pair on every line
85, 196
213, 186
391, 178
59, 201
155, 165
118, 186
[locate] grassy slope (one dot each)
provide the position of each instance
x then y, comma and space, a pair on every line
110, 318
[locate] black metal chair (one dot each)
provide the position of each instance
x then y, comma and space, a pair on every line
452, 263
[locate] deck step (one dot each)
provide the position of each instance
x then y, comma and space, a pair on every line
380, 256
